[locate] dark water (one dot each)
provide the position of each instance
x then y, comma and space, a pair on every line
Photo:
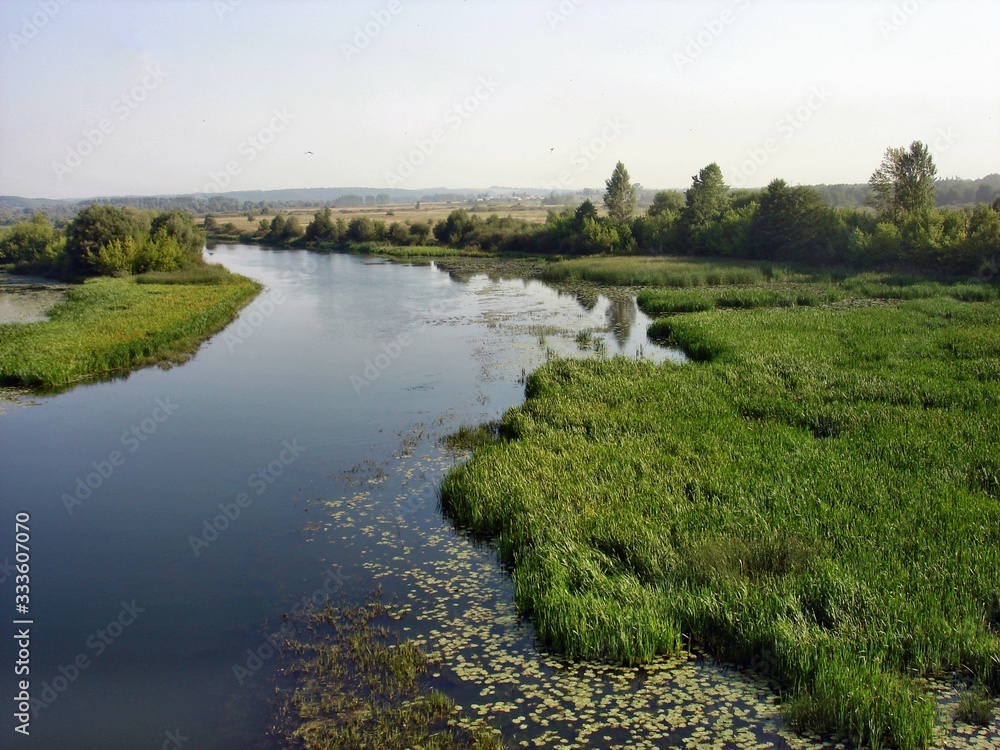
426, 354
297, 454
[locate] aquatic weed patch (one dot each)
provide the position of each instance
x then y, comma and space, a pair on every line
359, 685
815, 499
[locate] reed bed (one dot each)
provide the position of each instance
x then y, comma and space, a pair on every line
819, 497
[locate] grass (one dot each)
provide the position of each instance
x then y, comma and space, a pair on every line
684, 285
819, 497
359, 686
666, 272
975, 706
110, 325
405, 212
410, 251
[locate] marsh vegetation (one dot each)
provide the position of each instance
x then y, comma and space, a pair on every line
816, 497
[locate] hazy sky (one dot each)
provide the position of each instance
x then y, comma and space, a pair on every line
149, 97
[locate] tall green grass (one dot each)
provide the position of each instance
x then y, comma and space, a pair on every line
670, 272
819, 498
110, 325
411, 251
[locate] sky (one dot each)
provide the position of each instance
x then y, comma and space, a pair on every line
146, 97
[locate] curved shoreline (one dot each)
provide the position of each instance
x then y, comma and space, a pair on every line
112, 326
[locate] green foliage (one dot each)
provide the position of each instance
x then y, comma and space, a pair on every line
975, 706
455, 228
666, 202
619, 195
667, 272
791, 224
203, 274
904, 183
113, 257
108, 240
706, 202
818, 498
361, 229
161, 252
113, 325
179, 226
98, 226
29, 242
586, 210
420, 232
323, 228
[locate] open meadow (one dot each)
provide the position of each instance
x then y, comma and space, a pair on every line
404, 212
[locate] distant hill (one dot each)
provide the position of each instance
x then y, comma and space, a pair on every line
951, 191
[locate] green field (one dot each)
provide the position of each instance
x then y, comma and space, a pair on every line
817, 496
111, 325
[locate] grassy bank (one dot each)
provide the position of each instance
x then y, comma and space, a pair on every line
111, 325
819, 498
669, 271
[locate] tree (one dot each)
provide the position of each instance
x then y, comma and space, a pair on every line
277, 229
454, 229
666, 201
705, 203
361, 229
984, 194
619, 198
904, 183
789, 224
180, 226
322, 228
98, 225
399, 233
28, 241
292, 229
421, 232
586, 210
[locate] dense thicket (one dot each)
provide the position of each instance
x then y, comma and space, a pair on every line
104, 240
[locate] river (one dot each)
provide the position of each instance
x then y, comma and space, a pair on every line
177, 514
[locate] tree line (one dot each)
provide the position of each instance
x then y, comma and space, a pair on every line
103, 240
901, 225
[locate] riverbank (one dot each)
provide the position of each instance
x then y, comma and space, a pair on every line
112, 325
815, 498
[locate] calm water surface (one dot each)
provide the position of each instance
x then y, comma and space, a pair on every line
297, 452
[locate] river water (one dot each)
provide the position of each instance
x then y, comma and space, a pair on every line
177, 515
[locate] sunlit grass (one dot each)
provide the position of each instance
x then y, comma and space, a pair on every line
665, 271
111, 325
413, 251
818, 497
